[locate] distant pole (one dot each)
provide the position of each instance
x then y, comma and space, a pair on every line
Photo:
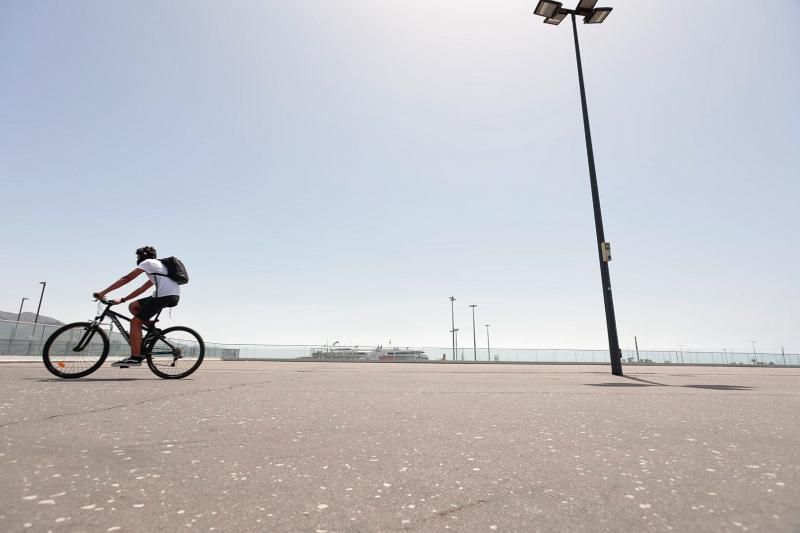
681, 347
453, 325
784, 356
41, 296
455, 332
636, 342
474, 343
488, 350
20, 308
755, 357
14, 333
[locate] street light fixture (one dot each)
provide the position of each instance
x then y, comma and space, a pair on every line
546, 8
556, 19
554, 13
598, 15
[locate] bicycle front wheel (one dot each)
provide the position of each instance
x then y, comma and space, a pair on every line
175, 352
75, 350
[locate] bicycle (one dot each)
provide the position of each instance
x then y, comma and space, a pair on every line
78, 349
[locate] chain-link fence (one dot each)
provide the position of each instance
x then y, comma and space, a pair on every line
23, 338
27, 339
561, 355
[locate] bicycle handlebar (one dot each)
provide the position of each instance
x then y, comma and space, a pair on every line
101, 300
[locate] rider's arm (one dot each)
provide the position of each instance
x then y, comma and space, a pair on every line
138, 291
127, 278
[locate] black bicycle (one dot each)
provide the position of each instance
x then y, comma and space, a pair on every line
78, 349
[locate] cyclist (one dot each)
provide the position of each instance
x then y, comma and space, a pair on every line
167, 294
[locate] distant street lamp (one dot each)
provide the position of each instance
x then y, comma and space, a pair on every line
488, 350
474, 343
20, 308
453, 325
41, 296
755, 357
554, 13
16, 324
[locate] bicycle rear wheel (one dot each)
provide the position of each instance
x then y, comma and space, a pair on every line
175, 352
75, 350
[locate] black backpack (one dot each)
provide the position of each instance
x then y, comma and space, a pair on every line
176, 271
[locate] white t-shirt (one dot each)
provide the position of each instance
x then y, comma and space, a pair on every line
164, 286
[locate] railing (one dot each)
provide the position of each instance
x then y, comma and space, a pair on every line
23, 338
27, 339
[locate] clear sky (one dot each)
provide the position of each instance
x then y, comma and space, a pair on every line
337, 170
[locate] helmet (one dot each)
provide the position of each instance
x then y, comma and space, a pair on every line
145, 252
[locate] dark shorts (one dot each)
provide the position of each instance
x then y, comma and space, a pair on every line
150, 306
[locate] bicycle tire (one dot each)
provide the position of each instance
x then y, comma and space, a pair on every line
184, 342
59, 353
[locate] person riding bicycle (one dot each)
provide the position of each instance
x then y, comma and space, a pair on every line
167, 294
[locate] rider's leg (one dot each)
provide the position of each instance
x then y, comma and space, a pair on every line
136, 330
141, 310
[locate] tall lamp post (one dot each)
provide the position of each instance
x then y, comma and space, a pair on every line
554, 13
453, 325
41, 296
488, 351
474, 343
20, 308
16, 324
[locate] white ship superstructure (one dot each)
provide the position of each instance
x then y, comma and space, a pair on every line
396, 354
354, 353
340, 353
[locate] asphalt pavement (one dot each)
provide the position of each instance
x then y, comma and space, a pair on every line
357, 447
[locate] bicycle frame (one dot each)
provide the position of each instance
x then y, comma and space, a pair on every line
115, 318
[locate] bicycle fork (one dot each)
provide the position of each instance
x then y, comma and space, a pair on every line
87, 337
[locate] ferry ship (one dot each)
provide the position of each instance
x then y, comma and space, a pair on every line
353, 353
340, 353
397, 354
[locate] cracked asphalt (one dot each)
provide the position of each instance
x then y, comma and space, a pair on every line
340, 447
